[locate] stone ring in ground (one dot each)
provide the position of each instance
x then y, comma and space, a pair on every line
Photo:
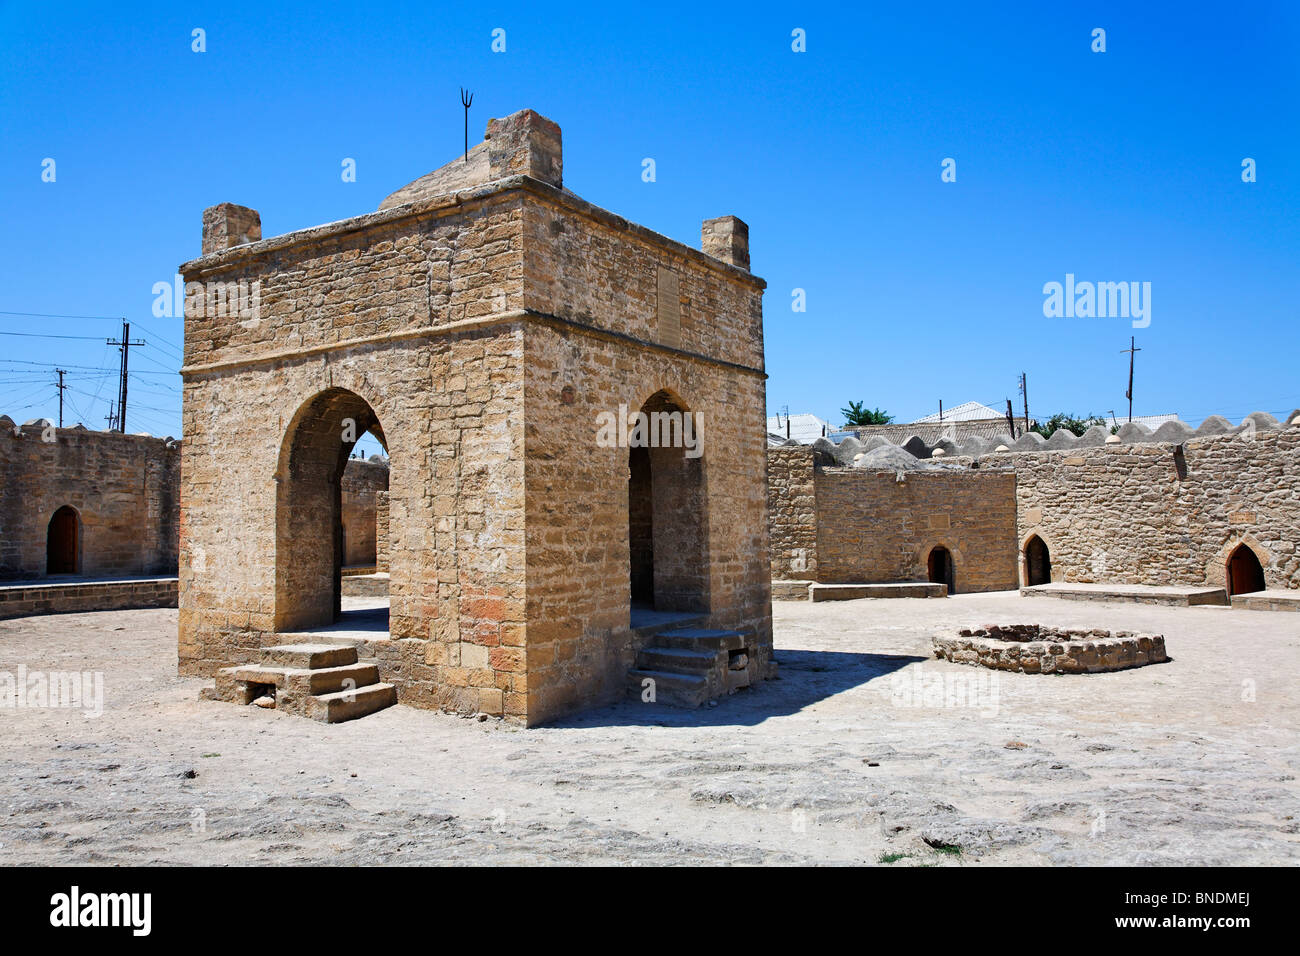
1035, 649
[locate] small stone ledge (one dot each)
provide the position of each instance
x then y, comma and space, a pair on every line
1036, 649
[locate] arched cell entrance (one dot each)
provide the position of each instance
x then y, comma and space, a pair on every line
1038, 562
939, 568
309, 526
668, 524
63, 542
1245, 573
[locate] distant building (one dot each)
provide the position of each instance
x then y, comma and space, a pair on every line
805, 429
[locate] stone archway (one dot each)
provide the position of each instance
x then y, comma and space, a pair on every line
1037, 559
668, 522
309, 529
63, 542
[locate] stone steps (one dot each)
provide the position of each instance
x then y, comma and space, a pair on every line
690, 666
322, 681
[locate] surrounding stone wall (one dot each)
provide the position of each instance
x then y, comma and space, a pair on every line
874, 528
124, 489
792, 511
1130, 512
1137, 514
72, 598
363, 481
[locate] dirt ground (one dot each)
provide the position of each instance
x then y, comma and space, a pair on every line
851, 757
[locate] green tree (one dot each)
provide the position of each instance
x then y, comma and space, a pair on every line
858, 414
1071, 424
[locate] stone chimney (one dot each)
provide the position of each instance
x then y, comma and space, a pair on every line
228, 225
726, 238
526, 144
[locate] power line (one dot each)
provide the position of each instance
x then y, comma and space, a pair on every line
46, 315
43, 335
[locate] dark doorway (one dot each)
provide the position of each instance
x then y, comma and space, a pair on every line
62, 544
640, 532
667, 510
939, 568
1245, 573
1038, 562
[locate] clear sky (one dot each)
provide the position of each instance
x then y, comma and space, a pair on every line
1117, 166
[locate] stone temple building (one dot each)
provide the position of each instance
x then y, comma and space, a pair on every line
482, 324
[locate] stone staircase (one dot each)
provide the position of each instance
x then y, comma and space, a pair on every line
323, 681
690, 666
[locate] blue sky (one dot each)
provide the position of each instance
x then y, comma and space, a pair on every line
1115, 166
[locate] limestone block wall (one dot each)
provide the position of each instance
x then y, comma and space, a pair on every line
381, 531
1136, 514
124, 488
614, 332
873, 528
792, 512
362, 483
386, 307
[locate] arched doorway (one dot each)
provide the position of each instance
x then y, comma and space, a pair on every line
1245, 573
1038, 562
63, 542
939, 568
309, 523
667, 509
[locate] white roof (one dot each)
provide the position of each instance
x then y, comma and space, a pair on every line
804, 429
969, 412
1150, 421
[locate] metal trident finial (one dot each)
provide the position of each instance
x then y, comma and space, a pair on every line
466, 99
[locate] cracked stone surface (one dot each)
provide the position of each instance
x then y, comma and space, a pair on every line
846, 759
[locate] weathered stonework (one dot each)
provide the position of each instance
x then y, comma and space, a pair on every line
1121, 513
479, 334
848, 526
363, 483
123, 489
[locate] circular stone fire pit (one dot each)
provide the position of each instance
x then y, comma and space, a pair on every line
1035, 649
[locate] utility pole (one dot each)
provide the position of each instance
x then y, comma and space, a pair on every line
1024, 390
941, 411
126, 344
111, 417
1132, 351
1011, 419
60, 387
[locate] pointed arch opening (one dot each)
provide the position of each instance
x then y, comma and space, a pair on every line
1244, 572
310, 554
667, 509
63, 542
1038, 562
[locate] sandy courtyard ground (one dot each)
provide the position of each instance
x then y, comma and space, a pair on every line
851, 757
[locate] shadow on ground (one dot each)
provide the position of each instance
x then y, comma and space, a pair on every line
804, 678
